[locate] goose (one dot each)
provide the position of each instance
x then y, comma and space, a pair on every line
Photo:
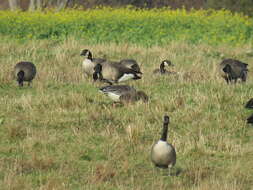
249, 104
163, 154
250, 119
24, 71
123, 93
113, 73
232, 69
162, 69
131, 64
89, 62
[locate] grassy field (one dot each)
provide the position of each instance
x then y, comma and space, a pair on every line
131, 25
61, 133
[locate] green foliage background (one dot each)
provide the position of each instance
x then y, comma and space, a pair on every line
138, 26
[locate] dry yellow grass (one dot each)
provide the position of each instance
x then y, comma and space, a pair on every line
63, 134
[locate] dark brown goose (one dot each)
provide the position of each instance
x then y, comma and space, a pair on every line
232, 70
24, 71
163, 154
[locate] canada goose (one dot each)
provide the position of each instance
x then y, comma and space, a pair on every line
112, 72
250, 119
232, 69
123, 93
131, 63
89, 62
162, 69
249, 104
24, 71
163, 154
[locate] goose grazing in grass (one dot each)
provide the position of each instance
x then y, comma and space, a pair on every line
232, 70
24, 71
249, 104
113, 73
162, 70
131, 64
250, 119
89, 62
123, 93
163, 154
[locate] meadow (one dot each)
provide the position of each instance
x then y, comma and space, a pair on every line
61, 133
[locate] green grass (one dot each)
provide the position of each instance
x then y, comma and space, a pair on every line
142, 27
61, 133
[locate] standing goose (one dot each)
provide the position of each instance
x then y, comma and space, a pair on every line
131, 64
89, 62
249, 104
24, 71
123, 93
232, 69
112, 72
163, 154
162, 69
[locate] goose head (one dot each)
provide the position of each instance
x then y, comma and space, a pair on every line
86, 53
166, 122
20, 77
142, 96
97, 72
227, 69
163, 64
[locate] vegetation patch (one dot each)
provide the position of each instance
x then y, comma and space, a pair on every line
137, 26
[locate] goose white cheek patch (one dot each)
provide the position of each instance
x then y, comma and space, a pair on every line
126, 77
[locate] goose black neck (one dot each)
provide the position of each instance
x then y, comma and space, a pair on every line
162, 68
164, 131
97, 75
90, 56
20, 79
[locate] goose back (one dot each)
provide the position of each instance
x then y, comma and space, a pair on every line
28, 68
115, 72
131, 64
232, 69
